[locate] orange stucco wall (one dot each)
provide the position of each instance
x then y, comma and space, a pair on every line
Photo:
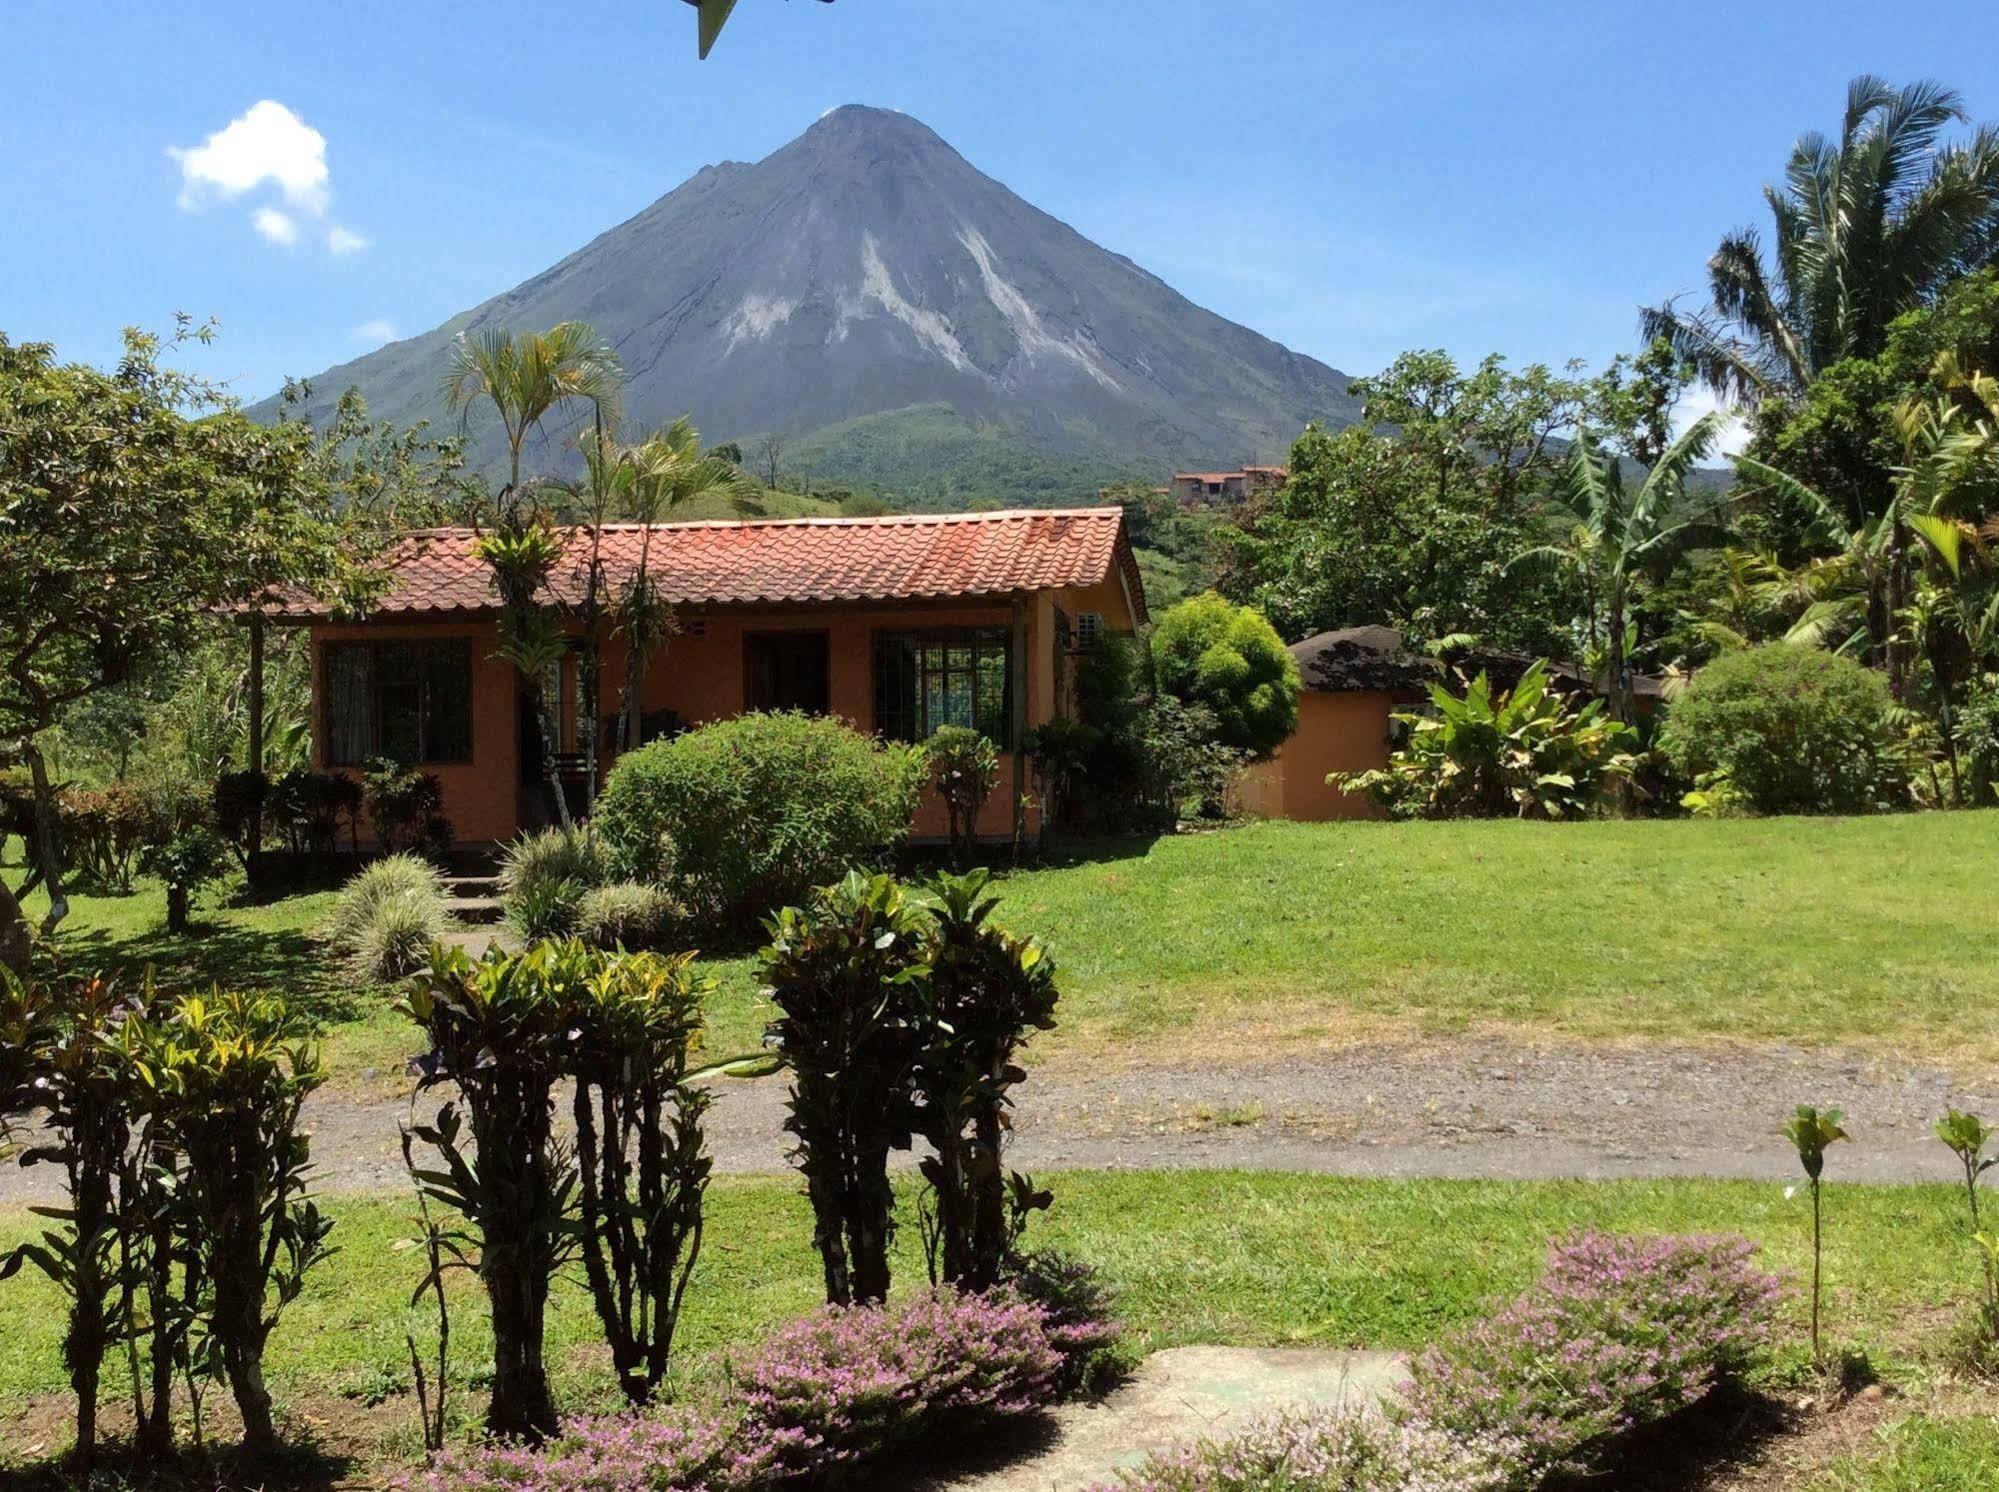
700, 676
1336, 733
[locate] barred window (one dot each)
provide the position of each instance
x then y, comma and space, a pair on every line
408, 701
925, 680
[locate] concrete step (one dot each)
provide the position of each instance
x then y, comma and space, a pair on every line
472, 887
478, 911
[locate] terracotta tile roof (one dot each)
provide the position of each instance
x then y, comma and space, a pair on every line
790, 561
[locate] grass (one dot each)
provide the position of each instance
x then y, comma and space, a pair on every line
1196, 1257
1279, 936
1283, 934
1924, 1454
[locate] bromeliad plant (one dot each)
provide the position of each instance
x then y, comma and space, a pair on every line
842, 971
985, 992
220, 1080
502, 1029
1811, 1130
1498, 753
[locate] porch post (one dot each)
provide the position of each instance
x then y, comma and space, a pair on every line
254, 752
1021, 671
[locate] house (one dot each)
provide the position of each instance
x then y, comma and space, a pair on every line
898, 625
1352, 682
1191, 487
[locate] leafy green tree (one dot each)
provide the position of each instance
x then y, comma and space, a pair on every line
132, 503
1228, 660
1615, 536
1865, 227
1408, 518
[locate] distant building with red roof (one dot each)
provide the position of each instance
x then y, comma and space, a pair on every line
1191, 487
897, 624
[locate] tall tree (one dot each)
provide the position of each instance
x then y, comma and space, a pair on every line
526, 377
1615, 536
133, 503
1864, 228
670, 472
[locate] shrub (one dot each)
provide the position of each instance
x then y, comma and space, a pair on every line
678, 1450
1226, 659
964, 765
1512, 753
1077, 1313
1796, 729
1619, 1332
404, 804
626, 914
550, 908
840, 971
103, 833
1347, 1449
848, 1384
387, 916
186, 863
553, 855
748, 814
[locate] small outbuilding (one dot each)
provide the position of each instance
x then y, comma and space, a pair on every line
1353, 682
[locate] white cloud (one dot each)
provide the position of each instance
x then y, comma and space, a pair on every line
1699, 400
278, 227
375, 332
268, 143
267, 150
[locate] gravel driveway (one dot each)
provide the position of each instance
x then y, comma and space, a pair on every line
1460, 1106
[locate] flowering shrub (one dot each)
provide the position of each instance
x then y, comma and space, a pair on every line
1619, 1332
1327, 1450
846, 1383
678, 1451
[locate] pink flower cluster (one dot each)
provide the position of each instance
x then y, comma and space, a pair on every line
677, 1450
843, 1385
1349, 1449
835, 1389
1618, 1333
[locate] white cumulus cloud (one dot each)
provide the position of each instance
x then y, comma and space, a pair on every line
270, 151
268, 143
278, 227
375, 332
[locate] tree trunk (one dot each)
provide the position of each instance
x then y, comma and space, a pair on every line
48, 845
1898, 597
17, 939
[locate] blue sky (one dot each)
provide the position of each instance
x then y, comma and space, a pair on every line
1353, 180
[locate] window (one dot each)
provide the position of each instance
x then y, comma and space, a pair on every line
925, 680
408, 701
786, 671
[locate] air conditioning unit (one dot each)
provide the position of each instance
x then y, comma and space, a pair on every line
1089, 628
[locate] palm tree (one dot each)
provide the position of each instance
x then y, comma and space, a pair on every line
1613, 535
1864, 229
526, 376
668, 472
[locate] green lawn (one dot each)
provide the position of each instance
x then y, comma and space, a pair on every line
1280, 935
1924, 1454
1796, 929
1195, 1257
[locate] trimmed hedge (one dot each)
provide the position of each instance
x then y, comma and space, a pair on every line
746, 815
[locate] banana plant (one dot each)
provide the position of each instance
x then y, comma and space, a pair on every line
1811, 1131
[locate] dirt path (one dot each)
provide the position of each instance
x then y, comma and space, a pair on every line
1458, 1106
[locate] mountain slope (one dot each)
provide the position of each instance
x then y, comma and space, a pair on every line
897, 319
